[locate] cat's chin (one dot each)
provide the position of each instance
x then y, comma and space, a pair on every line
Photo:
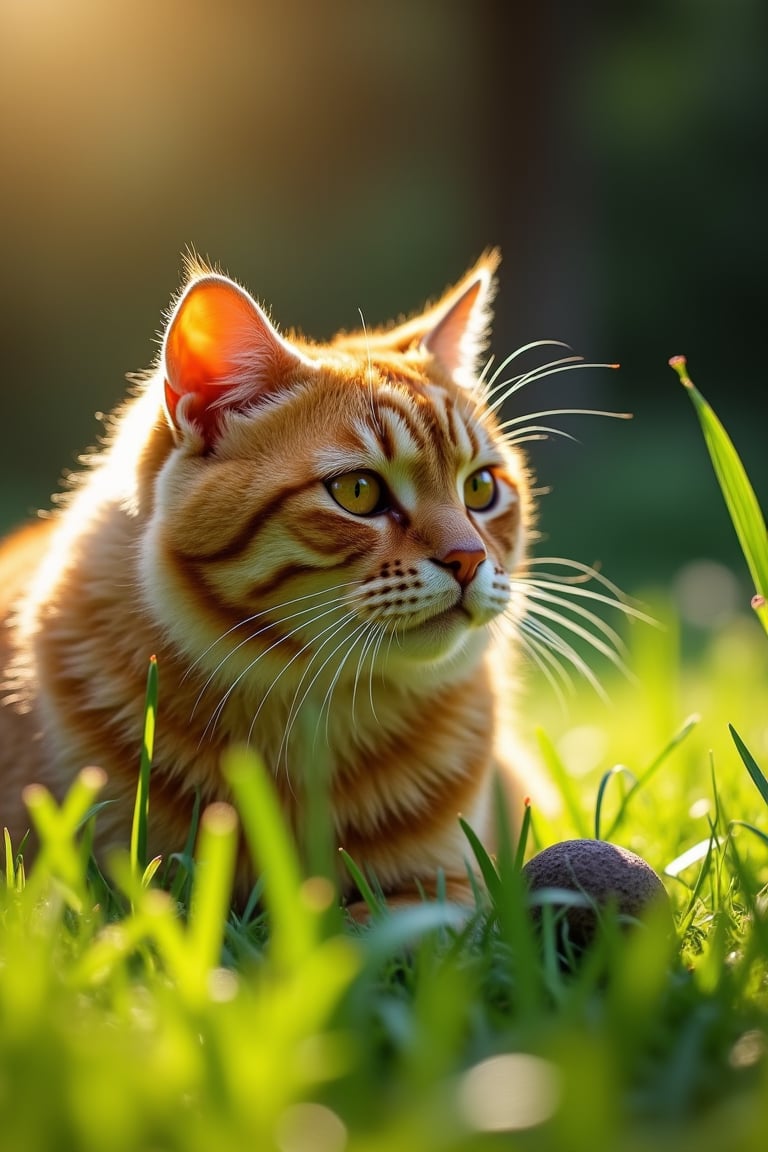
445, 636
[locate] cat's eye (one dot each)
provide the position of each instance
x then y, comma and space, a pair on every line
480, 490
361, 493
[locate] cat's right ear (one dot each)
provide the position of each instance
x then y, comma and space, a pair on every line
220, 352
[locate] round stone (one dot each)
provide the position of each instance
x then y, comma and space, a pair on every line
603, 875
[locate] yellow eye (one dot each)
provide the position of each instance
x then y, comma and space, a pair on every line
480, 490
361, 493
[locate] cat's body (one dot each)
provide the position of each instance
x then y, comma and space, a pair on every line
314, 541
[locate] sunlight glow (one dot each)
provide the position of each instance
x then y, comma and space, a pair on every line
508, 1093
310, 1128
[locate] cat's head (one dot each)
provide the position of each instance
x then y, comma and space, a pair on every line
328, 505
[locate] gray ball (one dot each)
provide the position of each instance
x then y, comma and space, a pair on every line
603, 873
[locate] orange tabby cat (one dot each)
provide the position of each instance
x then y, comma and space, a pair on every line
295, 530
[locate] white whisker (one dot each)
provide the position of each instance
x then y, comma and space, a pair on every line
257, 615
540, 612
216, 714
535, 432
550, 667
278, 623
296, 704
514, 420
371, 645
493, 385
365, 630
557, 644
536, 593
567, 364
567, 588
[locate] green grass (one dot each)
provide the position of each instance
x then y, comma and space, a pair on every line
129, 1020
139, 1012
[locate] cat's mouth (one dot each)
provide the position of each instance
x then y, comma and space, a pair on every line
455, 616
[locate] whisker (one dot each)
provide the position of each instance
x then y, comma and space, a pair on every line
365, 631
515, 420
541, 612
329, 607
550, 667
216, 714
557, 644
482, 384
257, 615
534, 593
372, 642
584, 572
296, 706
567, 588
329, 632
493, 386
384, 630
574, 585
506, 388
536, 432
567, 364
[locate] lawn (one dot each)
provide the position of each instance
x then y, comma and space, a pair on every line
138, 1012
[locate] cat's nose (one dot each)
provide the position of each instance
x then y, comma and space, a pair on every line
464, 562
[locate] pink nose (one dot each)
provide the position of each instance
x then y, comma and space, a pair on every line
464, 562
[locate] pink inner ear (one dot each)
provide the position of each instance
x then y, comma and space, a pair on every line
446, 339
219, 349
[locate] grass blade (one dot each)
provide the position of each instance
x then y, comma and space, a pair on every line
750, 764
484, 861
653, 767
212, 889
737, 491
374, 905
141, 809
275, 855
10, 869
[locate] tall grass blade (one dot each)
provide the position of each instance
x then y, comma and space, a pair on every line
212, 888
141, 808
275, 856
360, 881
10, 869
750, 763
484, 861
738, 493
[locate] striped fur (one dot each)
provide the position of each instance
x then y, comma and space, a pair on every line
206, 532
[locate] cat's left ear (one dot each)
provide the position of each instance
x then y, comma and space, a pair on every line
459, 325
220, 353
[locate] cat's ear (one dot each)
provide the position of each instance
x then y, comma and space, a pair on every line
460, 323
455, 330
220, 352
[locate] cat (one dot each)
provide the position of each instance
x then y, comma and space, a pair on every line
318, 542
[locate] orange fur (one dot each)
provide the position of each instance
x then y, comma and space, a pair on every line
207, 533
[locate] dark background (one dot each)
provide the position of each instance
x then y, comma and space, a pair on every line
339, 156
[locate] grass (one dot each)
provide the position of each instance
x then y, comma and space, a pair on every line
139, 1012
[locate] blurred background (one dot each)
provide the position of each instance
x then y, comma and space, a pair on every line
339, 156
